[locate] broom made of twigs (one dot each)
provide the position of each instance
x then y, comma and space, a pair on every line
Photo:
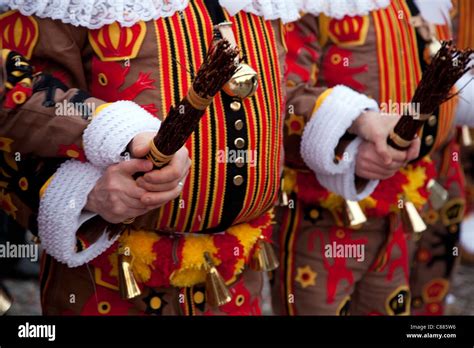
218, 67
447, 66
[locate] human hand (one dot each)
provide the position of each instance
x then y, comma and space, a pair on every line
376, 127
370, 164
117, 196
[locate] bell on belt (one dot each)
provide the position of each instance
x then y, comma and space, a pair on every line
243, 84
5, 301
217, 293
466, 138
127, 283
353, 214
438, 194
264, 258
411, 218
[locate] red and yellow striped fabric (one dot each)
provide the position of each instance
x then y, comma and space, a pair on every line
201, 205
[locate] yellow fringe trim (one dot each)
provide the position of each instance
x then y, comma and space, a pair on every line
192, 264
192, 269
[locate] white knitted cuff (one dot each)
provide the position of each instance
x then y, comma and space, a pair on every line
328, 124
465, 107
467, 234
60, 213
344, 184
112, 129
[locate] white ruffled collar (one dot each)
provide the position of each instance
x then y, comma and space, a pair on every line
340, 8
94, 14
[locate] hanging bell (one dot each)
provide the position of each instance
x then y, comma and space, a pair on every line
243, 84
127, 283
217, 293
412, 220
353, 214
264, 258
466, 138
438, 194
5, 301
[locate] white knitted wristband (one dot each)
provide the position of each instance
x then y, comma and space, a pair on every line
60, 213
112, 129
331, 120
344, 184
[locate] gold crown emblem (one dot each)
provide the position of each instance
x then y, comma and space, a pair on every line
347, 29
19, 33
114, 42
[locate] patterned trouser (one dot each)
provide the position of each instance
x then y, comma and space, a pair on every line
330, 270
433, 264
82, 291
436, 253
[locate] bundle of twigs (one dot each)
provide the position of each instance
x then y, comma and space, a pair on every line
448, 66
218, 67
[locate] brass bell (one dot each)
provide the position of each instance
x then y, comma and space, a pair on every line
243, 84
127, 283
438, 194
466, 137
217, 293
412, 220
5, 301
353, 214
264, 258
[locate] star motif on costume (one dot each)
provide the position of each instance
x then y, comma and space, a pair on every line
155, 302
306, 276
435, 290
295, 124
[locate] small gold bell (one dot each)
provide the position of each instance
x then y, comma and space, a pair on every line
466, 136
243, 84
127, 283
264, 258
353, 214
217, 293
411, 218
438, 194
5, 301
